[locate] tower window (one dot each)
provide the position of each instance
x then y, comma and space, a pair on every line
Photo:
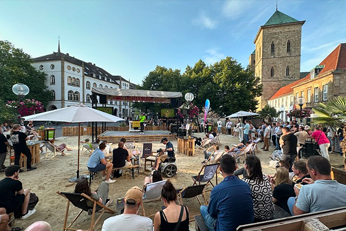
52, 80
272, 72
288, 46
272, 49
287, 71
53, 94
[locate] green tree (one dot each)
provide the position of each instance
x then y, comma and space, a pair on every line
15, 67
268, 113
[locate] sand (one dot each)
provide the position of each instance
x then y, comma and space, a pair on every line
53, 173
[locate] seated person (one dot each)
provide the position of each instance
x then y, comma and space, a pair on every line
236, 151
61, 147
96, 144
13, 197
108, 148
121, 157
38, 226
31, 130
100, 195
227, 149
152, 179
210, 155
162, 157
300, 172
97, 163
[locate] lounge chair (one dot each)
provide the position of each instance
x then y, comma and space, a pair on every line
209, 172
192, 192
79, 200
86, 149
152, 193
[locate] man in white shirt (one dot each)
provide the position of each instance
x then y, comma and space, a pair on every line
129, 220
266, 137
219, 126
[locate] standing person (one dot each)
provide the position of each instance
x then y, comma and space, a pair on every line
331, 138
278, 136
321, 140
141, 121
301, 135
13, 197
18, 140
246, 131
3, 151
97, 163
288, 142
129, 220
231, 202
229, 126
168, 218
263, 205
219, 126
273, 134
266, 137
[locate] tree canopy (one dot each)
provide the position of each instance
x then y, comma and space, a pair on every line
15, 67
227, 85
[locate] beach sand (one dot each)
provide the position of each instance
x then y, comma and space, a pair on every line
53, 174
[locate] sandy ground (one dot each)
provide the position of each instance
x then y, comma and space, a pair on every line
53, 174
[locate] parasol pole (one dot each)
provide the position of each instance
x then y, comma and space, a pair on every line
78, 150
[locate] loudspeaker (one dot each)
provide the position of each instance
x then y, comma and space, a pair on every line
103, 99
174, 128
182, 132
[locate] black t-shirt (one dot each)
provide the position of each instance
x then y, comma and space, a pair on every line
290, 144
8, 188
3, 146
300, 181
18, 140
281, 193
119, 157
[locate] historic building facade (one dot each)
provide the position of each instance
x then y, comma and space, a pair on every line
71, 80
276, 59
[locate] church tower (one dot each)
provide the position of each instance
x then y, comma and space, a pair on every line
276, 59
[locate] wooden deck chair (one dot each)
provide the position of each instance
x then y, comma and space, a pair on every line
205, 144
80, 201
192, 192
209, 172
86, 149
52, 149
152, 193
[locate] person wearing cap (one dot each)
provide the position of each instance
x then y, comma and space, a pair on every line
170, 152
129, 220
18, 140
13, 196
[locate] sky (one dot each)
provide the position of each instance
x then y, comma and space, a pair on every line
131, 37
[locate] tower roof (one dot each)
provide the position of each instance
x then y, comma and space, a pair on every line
279, 18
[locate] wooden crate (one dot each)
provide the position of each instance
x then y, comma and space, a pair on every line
35, 155
186, 146
339, 175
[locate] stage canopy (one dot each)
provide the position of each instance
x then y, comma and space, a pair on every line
137, 95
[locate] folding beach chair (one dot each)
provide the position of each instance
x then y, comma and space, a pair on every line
51, 148
79, 200
205, 144
209, 172
192, 192
152, 193
86, 149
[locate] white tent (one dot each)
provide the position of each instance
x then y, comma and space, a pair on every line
242, 114
74, 114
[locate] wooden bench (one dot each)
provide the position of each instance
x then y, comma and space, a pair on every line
131, 167
199, 223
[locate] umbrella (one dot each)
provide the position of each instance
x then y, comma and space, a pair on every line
75, 114
242, 114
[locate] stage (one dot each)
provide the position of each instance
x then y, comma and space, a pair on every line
148, 136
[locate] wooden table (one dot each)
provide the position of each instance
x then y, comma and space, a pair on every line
186, 146
35, 155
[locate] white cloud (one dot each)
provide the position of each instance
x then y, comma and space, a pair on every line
205, 21
235, 8
213, 56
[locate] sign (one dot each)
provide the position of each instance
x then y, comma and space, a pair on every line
189, 97
147, 149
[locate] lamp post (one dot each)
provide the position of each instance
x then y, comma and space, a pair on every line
21, 90
300, 102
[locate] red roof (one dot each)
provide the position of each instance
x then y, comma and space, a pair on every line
335, 60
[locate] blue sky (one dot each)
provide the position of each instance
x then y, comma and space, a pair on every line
131, 37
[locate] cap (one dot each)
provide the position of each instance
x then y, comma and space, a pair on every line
164, 139
135, 194
10, 170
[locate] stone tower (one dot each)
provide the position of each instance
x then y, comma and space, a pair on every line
277, 54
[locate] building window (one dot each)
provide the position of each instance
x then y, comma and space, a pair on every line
100, 85
41, 67
73, 81
94, 85
309, 96
297, 96
70, 95
272, 49
287, 71
68, 67
76, 96
88, 100
53, 94
106, 86
69, 80
288, 46
52, 80
272, 72
316, 94
302, 95
52, 66
325, 93
87, 85
291, 100
77, 82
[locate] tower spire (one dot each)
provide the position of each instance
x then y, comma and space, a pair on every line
276, 5
58, 44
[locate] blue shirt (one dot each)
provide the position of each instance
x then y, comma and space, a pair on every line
170, 153
246, 129
95, 158
231, 204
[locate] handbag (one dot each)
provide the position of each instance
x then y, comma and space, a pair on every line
316, 146
180, 216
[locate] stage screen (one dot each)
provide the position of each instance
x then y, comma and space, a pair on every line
168, 113
108, 110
